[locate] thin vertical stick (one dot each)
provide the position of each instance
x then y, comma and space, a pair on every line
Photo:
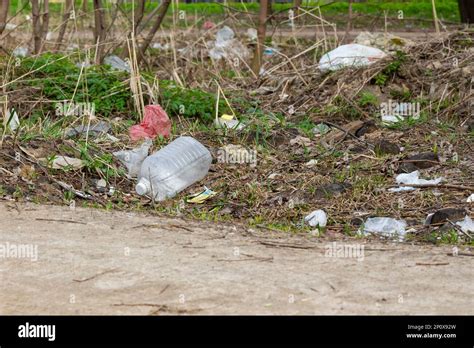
435, 16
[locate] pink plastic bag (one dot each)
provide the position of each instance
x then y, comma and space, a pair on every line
208, 25
156, 122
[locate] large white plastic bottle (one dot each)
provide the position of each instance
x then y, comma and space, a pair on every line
173, 168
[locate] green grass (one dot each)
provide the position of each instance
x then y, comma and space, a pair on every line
447, 9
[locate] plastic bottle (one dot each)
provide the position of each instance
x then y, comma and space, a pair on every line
175, 167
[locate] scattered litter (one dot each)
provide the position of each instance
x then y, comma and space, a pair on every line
173, 168
470, 199
311, 163
133, 159
10, 26
159, 46
274, 176
351, 55
225, 46
93, 130
208, 25
202, 196
12, 120
101, 184
117, 63
385, 226
467, 225
412, 179
20, 52
389, 119
155, 122
228, 121
321, 129
84, 64
301, 141
73, 190
270, 51
252, 34
401, 189
317, 218
64, 162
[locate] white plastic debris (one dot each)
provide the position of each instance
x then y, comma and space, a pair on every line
413, 178
101, 184
10, 26
226, 46
317, 218
252, 34
117, 63
311, 163
470, 199
228, 121
61, 162
159, 46
321, 129
133, 159
20, 52
389, 119
467, 225
351, 55
385, 226
12, 120
224, 34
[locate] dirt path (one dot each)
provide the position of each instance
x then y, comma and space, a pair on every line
96, 262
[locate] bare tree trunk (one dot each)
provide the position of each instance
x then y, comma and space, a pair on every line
45, 23
35, 13
261, 33
84, 5
4, 5
161, 14
40, 24
466, 9
62, 30
99, 30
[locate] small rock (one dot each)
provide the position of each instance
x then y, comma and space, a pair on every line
445, 214
329, 190
101, 184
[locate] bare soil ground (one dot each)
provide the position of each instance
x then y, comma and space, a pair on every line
96, 262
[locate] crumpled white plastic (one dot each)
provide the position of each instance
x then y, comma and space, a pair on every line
412, 178
385, 226
351, 55
317, 218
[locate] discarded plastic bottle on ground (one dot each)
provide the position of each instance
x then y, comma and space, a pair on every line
175, 167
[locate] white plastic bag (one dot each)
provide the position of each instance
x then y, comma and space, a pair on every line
352, 55
317, 218
385, 226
